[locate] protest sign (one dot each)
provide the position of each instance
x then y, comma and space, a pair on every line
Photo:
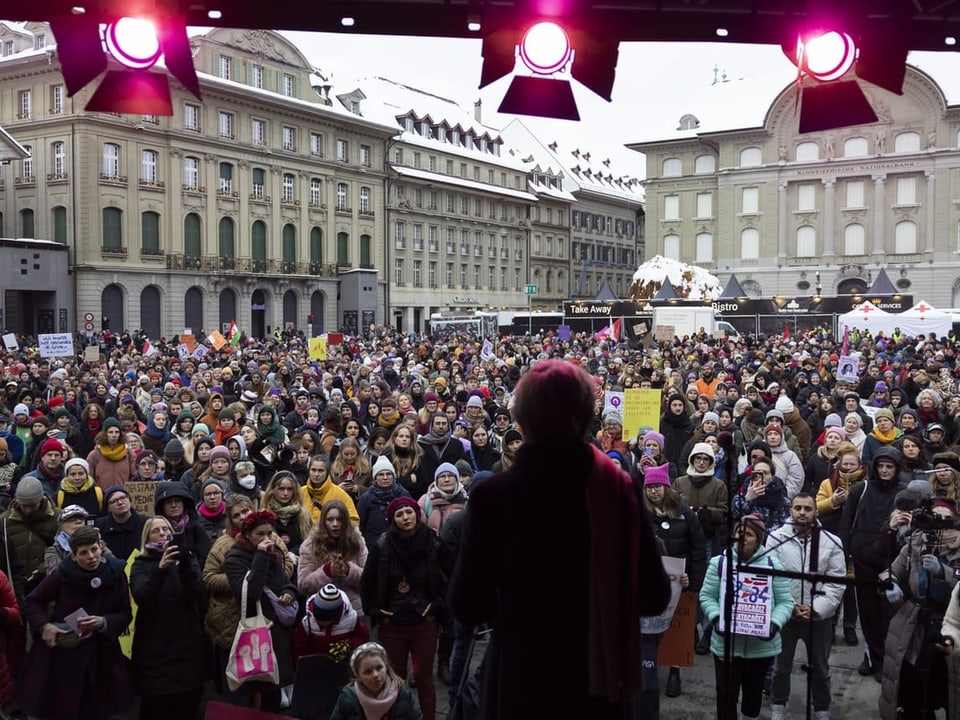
753, 601
640, 408
55, 345
141, 494
10, 342
91, 353
664, 333
657, 624
676, 645
847, 369
318, 348
217, 339
613, 400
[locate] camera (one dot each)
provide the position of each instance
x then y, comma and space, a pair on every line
924, 519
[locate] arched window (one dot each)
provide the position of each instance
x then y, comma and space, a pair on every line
112, 234
27, 225
704, 247
343, 248
150, 233
808, 152
905, 238
258, 242
671, 247
112, 307
290, 308
749, 243
751, 157
365, 258
906, 142
192, 246
316, 246
855, 147
806, 241
704, 165
193, 308
59, 217
854, 239
226, 242
289, 244
150, 311
672, 167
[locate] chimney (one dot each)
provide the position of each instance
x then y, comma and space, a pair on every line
476, 110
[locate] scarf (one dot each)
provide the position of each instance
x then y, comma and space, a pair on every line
93, 426
55, 476
72, 489
928, 415
377, 707
317, 494
180, 524
62, 540
435, 440
211, 514
285, 513
458, 493
383, 496
886, 438
117, 453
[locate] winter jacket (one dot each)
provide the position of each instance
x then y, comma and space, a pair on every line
108, 473
348, 706
796, 553
337, 640
372, 509
10, 620
30, 535
780, 613
402, 575
866, 513
170, 649
315, 500
789, 468
122, 538
195, 536
709, 500
312, 571
437, 509
682, 537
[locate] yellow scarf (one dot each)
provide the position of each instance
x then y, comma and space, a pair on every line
319, 493
113, 454
70, 488
886, 438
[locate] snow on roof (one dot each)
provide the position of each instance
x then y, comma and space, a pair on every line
10, 149
689, 281
462, 182
556, 193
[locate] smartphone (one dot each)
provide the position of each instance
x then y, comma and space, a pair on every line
177, 539
648, 452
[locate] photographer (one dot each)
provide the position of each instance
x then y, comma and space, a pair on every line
920, 580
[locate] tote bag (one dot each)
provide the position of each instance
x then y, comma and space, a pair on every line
251, 655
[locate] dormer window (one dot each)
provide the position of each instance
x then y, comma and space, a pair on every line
483, 144
455, 137
408, 124
424, 128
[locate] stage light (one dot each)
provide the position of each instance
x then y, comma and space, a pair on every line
136, 45
828, 56
545, 48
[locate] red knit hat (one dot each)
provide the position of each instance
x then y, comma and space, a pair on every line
400, 502
50, 445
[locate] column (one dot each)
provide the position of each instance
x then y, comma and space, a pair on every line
879, 214
931, 210
829, 216
782, 220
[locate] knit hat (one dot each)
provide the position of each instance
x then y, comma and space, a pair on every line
72, 511
835, 431
226, 414
174, 448
200, 428
774, 413
464, 467
710, 415
111, 491
72, 462
656, 437
207, 483
881, 386
249, 396
832, 420
42, 419
61, 412
50, 445
29, 491
400, 502
657, 475
883, 412
950, 459
147, 455
475, 402
773, 427
921, 487
702, 448
220, 452
327, 604
21, 409
112, 422
430, 397
383, 464
784, 404
613, 415
754, 520
510, 435
445, 468
945, 503
854, 415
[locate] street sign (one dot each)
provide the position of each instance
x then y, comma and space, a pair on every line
88, 326
531, 289
88, 317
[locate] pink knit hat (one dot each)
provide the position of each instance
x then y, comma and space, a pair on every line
656, 475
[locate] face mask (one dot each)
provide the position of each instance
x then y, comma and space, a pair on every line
248, 482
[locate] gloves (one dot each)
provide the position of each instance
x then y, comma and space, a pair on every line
774, 629
932, 565
717, 630
894, 594
703, 515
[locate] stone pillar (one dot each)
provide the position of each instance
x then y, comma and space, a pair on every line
931, 219
829, 216
879, 214
782, 216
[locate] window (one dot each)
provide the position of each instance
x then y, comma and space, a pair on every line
808, 152
316, 245
905, 238
191, 116
704, 165
226, 179
150, 233
191, 236
750, 201
288, 85
60, 225
343, 150
8, 48
704, 205
855, 147
258, 246
671, 207
671, 247
24, 104
400, 235
27, 228
398, 271
704, 247
416, 160
672, 167
112, 229
111, 160
417, 273
343, 248
417, 236
56, 100
806, 241
365, 155
289, 243
432, 200
41, 41
854, 239
288, 188
59, 153
256, 76
806, 197
463, 275
341, 196
316, 191
451, 242
225, 124
854, 194
148, 167
749, 244
476, 277
751, 157
366, 244
316, 144
258, 132
258, 180
225, 68
398, 156
289, 136
464, 205
906, 142
906, 191
448, 276
226, 243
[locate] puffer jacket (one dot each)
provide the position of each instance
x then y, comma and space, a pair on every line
796, 552
682, 537
31, 535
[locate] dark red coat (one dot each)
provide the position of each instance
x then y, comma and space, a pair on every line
9, 619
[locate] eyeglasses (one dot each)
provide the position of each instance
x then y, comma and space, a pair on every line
213, 493
118, 500
761, 473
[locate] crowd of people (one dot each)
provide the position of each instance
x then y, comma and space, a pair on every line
329, 495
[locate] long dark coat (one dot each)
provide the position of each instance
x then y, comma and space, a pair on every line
90, 681
170, 649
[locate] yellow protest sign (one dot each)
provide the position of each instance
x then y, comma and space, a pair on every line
318, 348
640, 407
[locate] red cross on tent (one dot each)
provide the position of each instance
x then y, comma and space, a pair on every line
922, 308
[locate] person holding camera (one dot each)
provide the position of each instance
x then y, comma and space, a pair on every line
919, 584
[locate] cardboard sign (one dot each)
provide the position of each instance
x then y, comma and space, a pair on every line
91, 354
318, 348
640, 408
190, 341
217, 340
753, 601
563, 332
141, 494
676, 645
657, 624
55, 345
613, 400
664, 333
10, 342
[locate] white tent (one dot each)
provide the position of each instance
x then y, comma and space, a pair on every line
868, 316
923, 319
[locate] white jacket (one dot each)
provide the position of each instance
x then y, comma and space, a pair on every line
795, 553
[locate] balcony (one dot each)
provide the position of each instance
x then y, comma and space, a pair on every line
116, 179
367, 213
111, 251
57, 177
152, 184
151, 253
25, 180
344, 210
194, 189
246, 266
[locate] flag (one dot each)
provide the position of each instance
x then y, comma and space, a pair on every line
845, 348
611, 332
148, 348
615, 329
786, 331
233, 334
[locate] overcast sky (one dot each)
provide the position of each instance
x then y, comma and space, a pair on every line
655, 82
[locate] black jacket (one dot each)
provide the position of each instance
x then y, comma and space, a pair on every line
195, 536
433, 456
122, 538
683, 538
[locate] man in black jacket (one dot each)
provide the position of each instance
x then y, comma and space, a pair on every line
122, 527
438, 446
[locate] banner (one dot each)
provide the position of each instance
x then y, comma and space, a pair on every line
55, 345
318, 348
752, 604
640, 408
676, 645
847, 369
